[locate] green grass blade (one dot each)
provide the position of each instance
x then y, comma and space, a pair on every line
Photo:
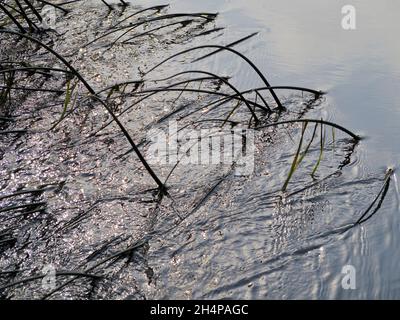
295, 160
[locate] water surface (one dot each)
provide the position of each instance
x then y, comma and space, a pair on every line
240, 241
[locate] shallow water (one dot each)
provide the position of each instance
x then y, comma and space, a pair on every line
240, 241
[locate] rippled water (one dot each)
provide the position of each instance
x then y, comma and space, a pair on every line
237, 238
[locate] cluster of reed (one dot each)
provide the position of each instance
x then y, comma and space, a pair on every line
23, 23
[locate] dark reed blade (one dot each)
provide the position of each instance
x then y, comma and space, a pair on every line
177, 75
131, 27
336, 173
7, 241
9, 80
146, 97
121, 84
322, 145
33, 9
5, 119
33, 89
58, 274
233, 123
230, 98
155, 91
7, 231
208, 32
108, 5
31, 72
317, 93
223, 80
381, 195
15, 10
328, 123
105, 246
18, 193
155, 8
59, 7
180, 159
68, 96
165, 17
32, 69
235, 97
149, 32
24, 214
224, 100
308, 145
9, 272
23, 192
20, 131
295, 160
253, 66
57, 55
230, 114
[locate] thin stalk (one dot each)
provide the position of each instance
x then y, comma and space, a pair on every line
18, 193
93, 93
31, 24
155, 8
15, 21
59, 7
17, 131
34, 69
223, 80
164, 17
41, 276
295, 160
33, 89
167, 16
331, 124
228, 46
321, 152
22, 206
184, 23
208, 32
109, 6
67, 101
382, 194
